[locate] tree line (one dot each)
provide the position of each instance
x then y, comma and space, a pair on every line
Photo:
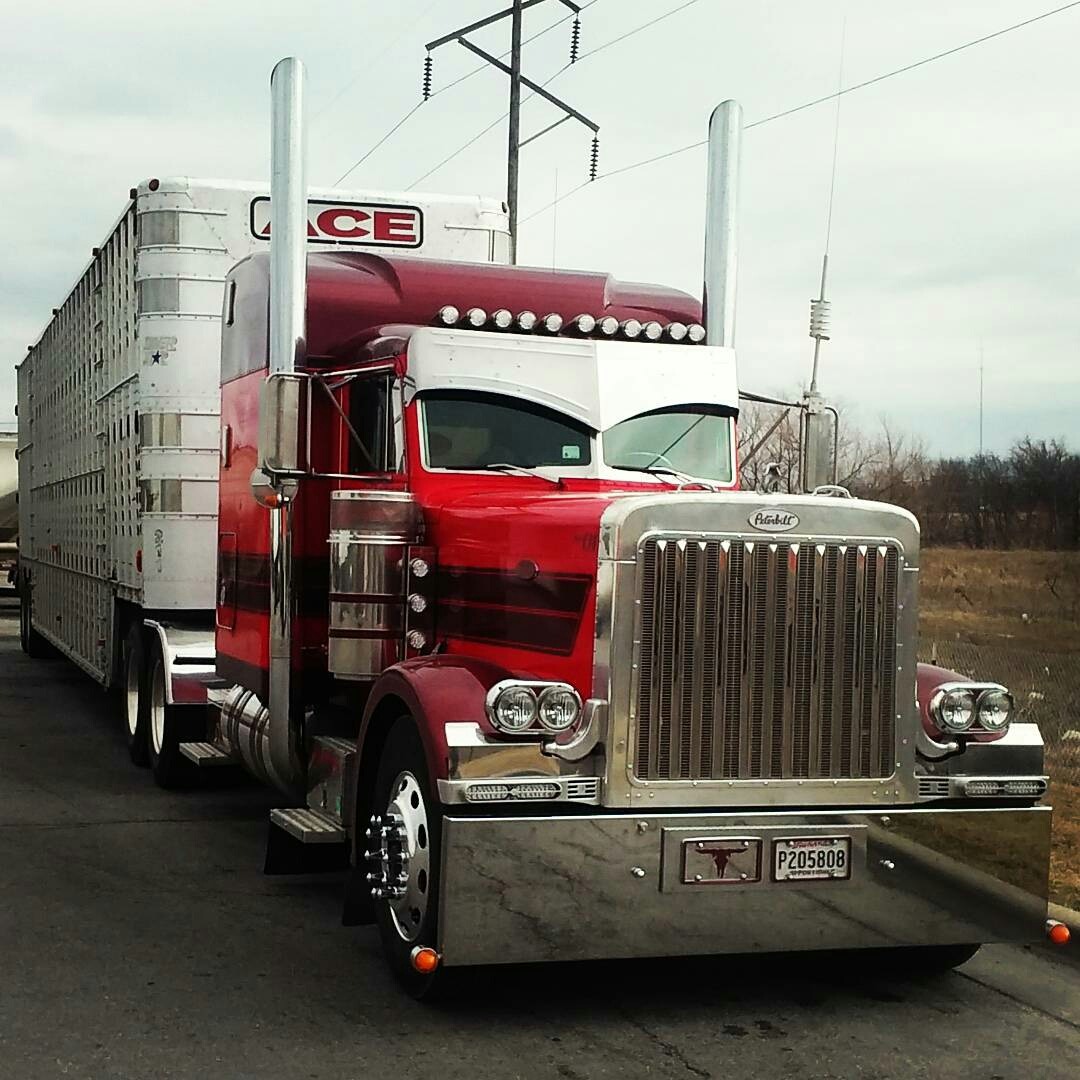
1028, 497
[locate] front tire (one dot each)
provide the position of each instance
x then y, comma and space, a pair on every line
407, 827
167, 726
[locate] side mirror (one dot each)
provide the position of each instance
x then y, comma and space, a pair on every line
281, 406
262, 487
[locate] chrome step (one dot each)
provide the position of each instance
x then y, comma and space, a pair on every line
206, 754
330, 773
308, 826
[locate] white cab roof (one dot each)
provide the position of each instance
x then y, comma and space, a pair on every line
598, 382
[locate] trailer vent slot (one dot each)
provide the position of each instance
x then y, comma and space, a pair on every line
762, 660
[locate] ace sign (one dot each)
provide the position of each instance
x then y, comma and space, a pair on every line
359, 224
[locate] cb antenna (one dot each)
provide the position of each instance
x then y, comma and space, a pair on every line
818, 438
820, 308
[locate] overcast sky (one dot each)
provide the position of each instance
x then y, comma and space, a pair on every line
956, 222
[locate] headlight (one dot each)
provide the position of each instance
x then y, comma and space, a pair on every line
994, 709
955, 710
559, 708
515, 709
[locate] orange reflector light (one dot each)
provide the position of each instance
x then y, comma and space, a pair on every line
424, 960
1057, 932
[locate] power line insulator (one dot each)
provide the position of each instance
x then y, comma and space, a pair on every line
575, 39
429, 64
594, 157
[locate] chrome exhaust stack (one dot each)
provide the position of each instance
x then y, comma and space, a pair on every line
274, 483
721, 224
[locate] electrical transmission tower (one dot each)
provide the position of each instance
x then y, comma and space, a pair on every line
517, 80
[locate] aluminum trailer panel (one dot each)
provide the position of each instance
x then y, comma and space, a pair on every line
119, 398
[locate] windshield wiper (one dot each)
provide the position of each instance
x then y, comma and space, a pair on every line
663, 471
506, 467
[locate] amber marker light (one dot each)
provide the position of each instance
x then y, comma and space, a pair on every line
424, 960
1057, 932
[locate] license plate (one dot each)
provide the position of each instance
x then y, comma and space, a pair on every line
812, 858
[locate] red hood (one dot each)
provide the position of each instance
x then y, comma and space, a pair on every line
517, 575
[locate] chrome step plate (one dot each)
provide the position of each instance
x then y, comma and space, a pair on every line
206, 754
308, 826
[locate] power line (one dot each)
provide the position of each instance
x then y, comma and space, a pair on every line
360, 161
442, 90
592, 52
637, 30
383, 54
818, 101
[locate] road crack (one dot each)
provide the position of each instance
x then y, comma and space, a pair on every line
668, 1049
1020, 1001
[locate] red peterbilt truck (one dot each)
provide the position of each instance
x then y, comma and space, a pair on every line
496, 620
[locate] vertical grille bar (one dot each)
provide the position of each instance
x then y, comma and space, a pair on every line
766, 660
723, 574
794, 649
679, 717
702, 620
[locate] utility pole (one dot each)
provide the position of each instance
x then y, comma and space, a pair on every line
980, 399
517, 80
513, 150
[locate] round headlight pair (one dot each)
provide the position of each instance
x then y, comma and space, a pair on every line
516, 708
958, 709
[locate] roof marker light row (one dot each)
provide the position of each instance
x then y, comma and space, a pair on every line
586, 325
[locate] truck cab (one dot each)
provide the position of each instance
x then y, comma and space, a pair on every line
534, 633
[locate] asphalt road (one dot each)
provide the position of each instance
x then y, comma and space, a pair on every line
139, 938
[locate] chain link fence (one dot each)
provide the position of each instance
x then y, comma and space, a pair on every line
1046, 686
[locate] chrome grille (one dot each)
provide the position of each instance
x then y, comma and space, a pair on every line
765, 660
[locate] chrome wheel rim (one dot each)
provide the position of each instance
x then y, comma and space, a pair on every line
157, 708
403, 857
131, 693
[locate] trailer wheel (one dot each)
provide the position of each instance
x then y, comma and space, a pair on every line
406, 828
167, 726
133, 695
33, 644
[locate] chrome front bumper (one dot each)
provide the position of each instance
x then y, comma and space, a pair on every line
522, 889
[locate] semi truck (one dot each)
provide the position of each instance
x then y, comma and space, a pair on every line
454, 556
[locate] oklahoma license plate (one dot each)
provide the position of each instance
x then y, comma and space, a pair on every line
812, 858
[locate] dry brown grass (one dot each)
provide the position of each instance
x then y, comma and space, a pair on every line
1014, 616
1027, 598
1065, 845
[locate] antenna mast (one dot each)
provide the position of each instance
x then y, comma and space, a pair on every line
819, 464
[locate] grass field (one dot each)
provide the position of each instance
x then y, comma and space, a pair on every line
1014, 617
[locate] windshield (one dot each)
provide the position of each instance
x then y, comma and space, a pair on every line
468, 430
690, 439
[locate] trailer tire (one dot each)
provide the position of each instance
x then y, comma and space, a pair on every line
403, 789
33, 644
133, 695
167, 726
